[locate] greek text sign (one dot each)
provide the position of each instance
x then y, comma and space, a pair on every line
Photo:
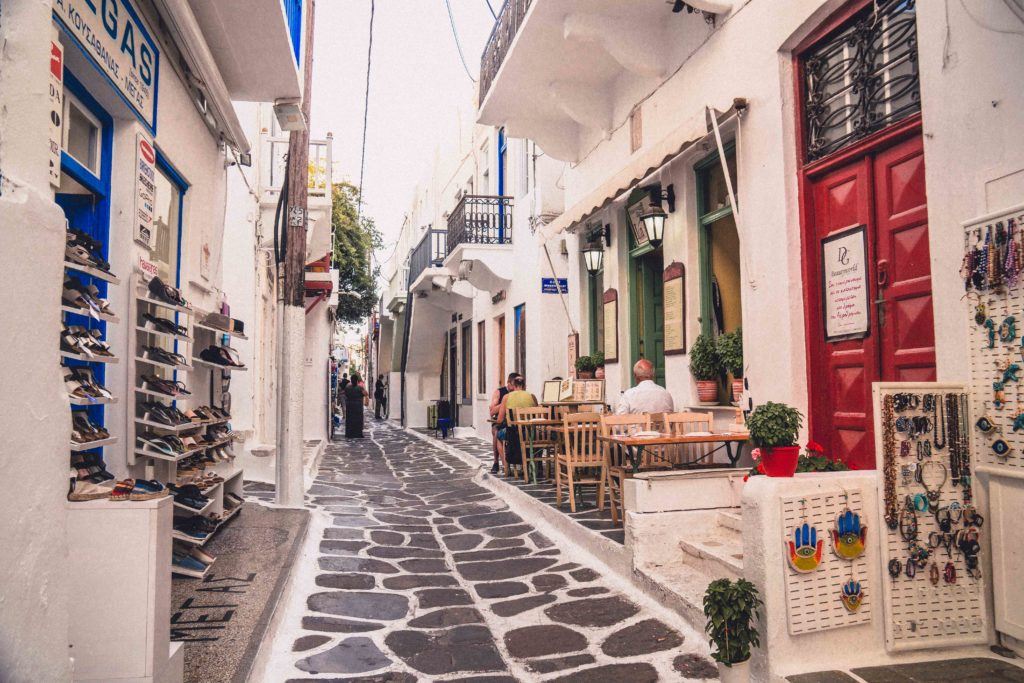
548, 285
845, 292
145, 191
111, 33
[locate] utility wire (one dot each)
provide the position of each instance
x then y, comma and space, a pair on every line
455, 33
490, 7
366, 116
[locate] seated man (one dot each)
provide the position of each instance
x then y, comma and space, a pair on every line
646, 396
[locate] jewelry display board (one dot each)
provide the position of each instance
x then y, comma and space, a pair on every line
813, 598
933, 582
994, 320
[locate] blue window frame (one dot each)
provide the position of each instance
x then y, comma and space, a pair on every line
502, 179
519, 338
293, 13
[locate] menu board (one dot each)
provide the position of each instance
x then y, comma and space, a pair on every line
844, 285
577, 390
674, 299
611, 326
552, 387
574, 352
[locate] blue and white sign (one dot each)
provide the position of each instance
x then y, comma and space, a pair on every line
548, 286
112, 35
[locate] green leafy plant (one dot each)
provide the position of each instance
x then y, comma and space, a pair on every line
585, 364
598, 358
730, 350
813, 459
773, 425
730, 608
705, 363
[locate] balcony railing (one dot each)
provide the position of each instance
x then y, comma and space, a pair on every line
504, 32
480, 219
429, 253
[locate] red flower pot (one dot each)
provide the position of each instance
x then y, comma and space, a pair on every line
707, 391
780, 461
737, 389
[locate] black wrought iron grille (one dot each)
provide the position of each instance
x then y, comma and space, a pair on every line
480, 219
428, 253
861, 79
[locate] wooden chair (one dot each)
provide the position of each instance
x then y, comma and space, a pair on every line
679, 424
618, 465
537, 442
580, 450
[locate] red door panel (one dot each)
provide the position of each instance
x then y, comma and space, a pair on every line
842, 372
908, 327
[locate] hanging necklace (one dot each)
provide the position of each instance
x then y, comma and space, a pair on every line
938, 420
889, 463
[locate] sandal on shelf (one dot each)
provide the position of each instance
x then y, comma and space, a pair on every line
221, 355
165, 293
123, 490
85, 490
159, 324
147, 489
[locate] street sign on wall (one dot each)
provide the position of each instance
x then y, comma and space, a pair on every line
548, 286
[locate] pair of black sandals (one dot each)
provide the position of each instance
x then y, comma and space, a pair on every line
161, 291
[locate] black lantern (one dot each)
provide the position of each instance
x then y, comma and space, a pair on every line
654, 223
593, 258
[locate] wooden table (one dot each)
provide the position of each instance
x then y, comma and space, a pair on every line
633, 445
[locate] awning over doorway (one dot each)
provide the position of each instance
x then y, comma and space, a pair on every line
691, 132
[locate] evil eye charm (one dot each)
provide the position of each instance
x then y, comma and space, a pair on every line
805, 549
1008, 329
1018, 422
979, 314
1001, 448
852, 596
985, 425
848, 536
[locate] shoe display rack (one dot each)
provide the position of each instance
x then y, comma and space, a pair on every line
84, 355
186, 445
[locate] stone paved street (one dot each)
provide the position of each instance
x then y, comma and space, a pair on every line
422, 574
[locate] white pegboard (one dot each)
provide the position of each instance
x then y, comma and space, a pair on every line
919, 615
983, 360
812, 599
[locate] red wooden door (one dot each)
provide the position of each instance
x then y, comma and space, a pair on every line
884, 189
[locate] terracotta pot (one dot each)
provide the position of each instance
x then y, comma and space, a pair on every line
707, 391
737, 389
585, 374
599, 373
780, 461
737, 673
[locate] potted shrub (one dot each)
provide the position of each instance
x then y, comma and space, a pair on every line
585, 367
598, 358
706, 366
773, 431
730, 608
813, 459
730, 350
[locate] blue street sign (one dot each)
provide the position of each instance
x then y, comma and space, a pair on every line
548, 286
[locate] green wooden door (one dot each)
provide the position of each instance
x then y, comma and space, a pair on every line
647, 321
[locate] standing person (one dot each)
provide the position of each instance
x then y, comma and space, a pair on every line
380, 399
519, 397
646, 396
496, 443
342, 385
355, 398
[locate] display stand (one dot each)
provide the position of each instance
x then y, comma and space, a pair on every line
925, 609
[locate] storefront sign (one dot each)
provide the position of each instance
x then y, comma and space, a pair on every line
145, 191
548, 286
674, 299
148, 269
844, 273
56, 109
611, 326
111, 33
574, 352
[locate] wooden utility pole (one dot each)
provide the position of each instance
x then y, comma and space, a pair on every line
291, 349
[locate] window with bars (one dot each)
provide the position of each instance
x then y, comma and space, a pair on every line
861, 78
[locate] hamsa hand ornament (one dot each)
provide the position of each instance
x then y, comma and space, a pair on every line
805, 549
848, 536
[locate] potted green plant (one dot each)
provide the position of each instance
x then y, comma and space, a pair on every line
773, 431
598, 358
730, 608
585, 367
706, 366
730, 350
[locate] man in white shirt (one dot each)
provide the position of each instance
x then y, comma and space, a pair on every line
646, 396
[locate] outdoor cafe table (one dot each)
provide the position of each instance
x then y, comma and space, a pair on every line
633, 445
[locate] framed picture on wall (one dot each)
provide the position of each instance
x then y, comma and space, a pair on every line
674, 308
611, 326
638, 203
844, 284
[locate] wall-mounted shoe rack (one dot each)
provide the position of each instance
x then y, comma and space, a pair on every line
179, 441
84, 354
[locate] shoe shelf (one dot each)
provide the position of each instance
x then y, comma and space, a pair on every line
160, 455
165, 335
89, 445
217, 330
94, 272
91, 401
209, 504
150, 392
175, 569
163, 304
216, 366
88, 359
173, 429
167, 366
106, 317
185, 538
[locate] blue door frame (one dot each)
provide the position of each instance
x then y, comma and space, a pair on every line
502, 156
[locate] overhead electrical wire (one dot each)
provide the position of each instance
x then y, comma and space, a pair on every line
366, 115
491, 8
458, 45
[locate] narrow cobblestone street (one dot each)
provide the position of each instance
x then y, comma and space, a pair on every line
422, 574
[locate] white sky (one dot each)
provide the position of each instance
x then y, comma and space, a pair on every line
416, 84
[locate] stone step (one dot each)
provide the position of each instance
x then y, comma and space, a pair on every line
679, 586
731, 519
719, 554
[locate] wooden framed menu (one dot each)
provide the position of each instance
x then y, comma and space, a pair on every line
574, 352
551, 390
611, 326
674, 300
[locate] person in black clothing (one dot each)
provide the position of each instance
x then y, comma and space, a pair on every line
497, 444
355, 398
380, 400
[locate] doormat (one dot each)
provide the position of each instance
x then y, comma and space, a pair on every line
221, 618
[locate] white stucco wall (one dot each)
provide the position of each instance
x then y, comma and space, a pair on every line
316, 375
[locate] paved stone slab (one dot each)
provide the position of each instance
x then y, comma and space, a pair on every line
695, 666
966, 670
333, 625
309, 642
584, 575
350, 656
452, 616
584, 592
511, 608
546, 666
462, 541
541, 641
347, 581
642, 638
636, 672
424, 566
390, 553
408, 581
443, 597
387, 537
593, 611
507, 569
360, 604
356, 564
822, 677
549, 582
463, 648
508, 531
500, 589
